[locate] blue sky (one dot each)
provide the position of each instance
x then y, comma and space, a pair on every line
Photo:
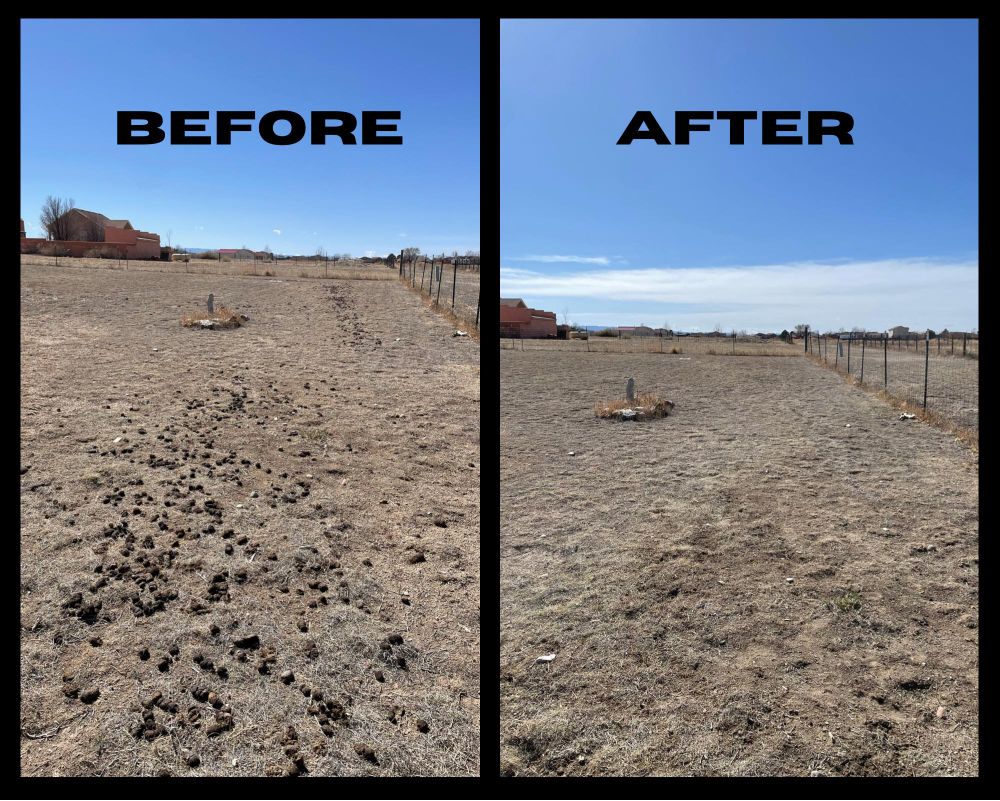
880, 233
75, 76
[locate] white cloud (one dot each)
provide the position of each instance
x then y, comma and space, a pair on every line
877, 294
370, 253
403, 234
603, 260
277, 231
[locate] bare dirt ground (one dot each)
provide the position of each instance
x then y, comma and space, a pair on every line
246, 552
773, 580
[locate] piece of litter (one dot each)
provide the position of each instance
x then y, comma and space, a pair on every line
546, 658
239, 506
155, 349
905, 416
790, 580
848, 425
343, 482
117, 439
940, 712
460, 334
572, 453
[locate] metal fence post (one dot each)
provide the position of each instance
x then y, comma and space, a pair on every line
927, 357
734, 343
836, 354
454, 281
849, 338
863, 338
965, 338
885, 363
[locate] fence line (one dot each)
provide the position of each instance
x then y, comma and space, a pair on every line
937, 375
459, 277
668, 343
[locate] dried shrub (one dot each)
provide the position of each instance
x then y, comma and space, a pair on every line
222, 317
647, 406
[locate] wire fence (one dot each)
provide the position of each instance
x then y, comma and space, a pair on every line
450, 286
625, 342
939, 375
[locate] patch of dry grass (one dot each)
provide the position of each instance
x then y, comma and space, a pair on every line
222, 317
648, 403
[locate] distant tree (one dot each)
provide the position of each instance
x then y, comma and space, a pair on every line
931, 334
53, 217
800, 329
565, 316
410, 254
785, 336
391, 260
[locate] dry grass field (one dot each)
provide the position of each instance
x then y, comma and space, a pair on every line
282, 268
247, 552
772, 580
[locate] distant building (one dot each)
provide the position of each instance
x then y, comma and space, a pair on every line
519, 321
23, 234
238, 254
898, 332
85, 228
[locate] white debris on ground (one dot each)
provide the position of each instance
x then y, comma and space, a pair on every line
906, 416
544, 659
460, 334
